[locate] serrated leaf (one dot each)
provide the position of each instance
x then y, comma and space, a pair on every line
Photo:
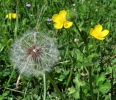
105, 87
72, 90
100, 79
78, 82
76, 95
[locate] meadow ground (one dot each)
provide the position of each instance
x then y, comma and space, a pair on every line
57, 49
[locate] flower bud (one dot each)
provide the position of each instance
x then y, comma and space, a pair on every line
71, 15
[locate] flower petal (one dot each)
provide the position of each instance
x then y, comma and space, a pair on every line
98, 28
62, 13
104, 33
98, 33
56, 18
58, 25
14, 15
95, 34
67, 24
91, 32
9, 16
100, 38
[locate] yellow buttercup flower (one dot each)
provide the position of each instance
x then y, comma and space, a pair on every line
98, 33
60, 20
11, 15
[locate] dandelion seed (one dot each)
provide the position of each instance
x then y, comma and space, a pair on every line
34, 53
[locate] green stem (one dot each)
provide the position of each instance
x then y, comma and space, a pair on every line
41, 12
69, 78
112, 86
55, 86
98, 96
16, 25
90, 83
77, 28
44, 79
82, 35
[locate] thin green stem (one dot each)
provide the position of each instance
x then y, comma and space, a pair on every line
55, 86
16, 25
77, 28
44, 79
22, 1
112, 86
98, 96
90, 83
69, 78
82, 35
41, 12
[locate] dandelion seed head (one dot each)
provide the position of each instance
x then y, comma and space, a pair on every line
34, 53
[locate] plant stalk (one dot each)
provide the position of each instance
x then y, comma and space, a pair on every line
69, 78
112, 85
44, 79
55, 86
90, 83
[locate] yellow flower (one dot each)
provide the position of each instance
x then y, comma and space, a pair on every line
60, 20
11, 15
98, 33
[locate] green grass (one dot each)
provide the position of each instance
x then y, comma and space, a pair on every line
87, 67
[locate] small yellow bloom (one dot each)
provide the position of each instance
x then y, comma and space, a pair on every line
60, 20
11, 15
98, 33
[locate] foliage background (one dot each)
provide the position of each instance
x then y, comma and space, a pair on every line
71, 72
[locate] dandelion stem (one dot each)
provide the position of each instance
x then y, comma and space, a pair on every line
17, 83
55, 86
28, 58
44, 79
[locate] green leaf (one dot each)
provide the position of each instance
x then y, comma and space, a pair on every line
74, 93
105, 87
100, 79
72, 90
78, 82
